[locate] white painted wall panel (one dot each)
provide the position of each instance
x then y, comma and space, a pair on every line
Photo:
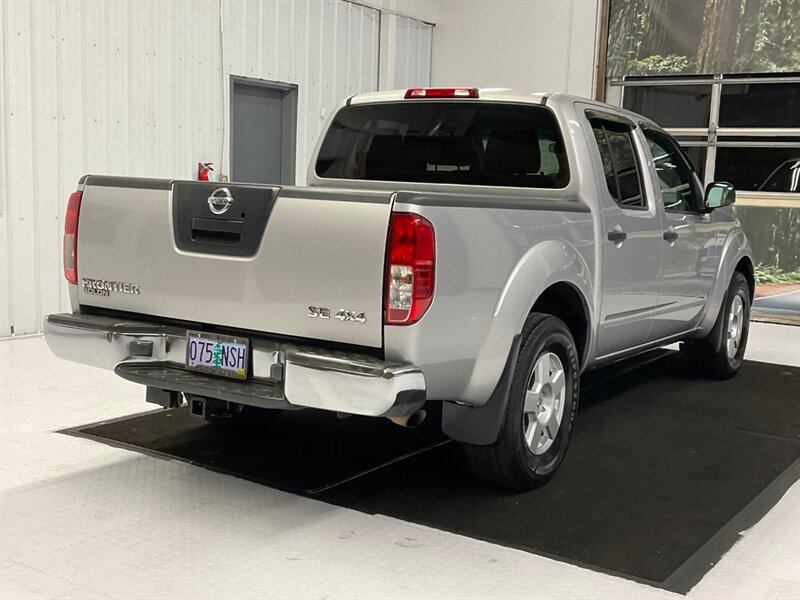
413, 40
530, 45
140, 88
5, 242
20, 201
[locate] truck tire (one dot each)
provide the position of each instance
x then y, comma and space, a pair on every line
720, 354
542, 403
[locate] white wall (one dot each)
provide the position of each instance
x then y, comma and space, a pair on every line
407, 29
413, 57
406, 46
529, 45
140, 88
425, 10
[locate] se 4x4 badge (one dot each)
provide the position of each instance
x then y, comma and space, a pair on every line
323, 312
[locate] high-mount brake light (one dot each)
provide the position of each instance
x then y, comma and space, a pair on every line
441, 93
410, 269
71, 237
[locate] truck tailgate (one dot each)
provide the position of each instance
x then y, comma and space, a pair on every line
260, 265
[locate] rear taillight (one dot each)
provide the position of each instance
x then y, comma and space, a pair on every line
441, 93
71, 237
410, 268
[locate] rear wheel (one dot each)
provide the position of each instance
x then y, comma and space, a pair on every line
541, 407
720, 354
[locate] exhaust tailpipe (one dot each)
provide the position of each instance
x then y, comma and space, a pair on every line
411, 421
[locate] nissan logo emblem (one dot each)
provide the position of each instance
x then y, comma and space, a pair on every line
220, 200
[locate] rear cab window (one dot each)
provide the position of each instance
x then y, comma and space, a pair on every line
452, 142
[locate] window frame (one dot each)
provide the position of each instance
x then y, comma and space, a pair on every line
594, 115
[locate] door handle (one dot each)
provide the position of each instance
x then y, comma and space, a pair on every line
216, 231
670, 235
617, 236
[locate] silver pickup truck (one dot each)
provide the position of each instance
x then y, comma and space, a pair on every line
478, 248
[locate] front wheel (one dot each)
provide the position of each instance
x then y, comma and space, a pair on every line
541, 407
721, 353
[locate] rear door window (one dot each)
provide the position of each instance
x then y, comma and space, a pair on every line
621, 167
471, 143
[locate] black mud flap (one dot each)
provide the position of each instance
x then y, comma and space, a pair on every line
480, 425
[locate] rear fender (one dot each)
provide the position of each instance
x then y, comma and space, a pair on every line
548, 262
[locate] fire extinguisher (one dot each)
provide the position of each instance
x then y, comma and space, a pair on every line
205, 171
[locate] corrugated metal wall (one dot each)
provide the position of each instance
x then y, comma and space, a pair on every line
140, 88
412, 53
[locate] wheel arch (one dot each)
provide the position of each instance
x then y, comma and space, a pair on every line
552, 270
746, 268
565, 301
552, 278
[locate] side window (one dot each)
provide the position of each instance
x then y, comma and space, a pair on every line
620, 163
679, 189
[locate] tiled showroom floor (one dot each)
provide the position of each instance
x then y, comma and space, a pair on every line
84, 520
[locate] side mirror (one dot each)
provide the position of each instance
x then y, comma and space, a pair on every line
719, 194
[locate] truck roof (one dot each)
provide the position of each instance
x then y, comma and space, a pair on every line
500, 95
494, 94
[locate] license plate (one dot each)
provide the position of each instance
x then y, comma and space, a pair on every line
217, 354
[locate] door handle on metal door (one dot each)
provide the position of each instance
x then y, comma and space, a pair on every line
670, 235
617, 236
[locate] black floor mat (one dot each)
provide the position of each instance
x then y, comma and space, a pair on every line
663, 472
302, 451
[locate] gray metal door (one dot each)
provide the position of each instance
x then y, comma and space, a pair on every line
263, 131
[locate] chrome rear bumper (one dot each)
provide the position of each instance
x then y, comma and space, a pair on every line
282, 374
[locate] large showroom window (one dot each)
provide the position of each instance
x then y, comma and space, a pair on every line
738, 128
724, 79
743, 129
